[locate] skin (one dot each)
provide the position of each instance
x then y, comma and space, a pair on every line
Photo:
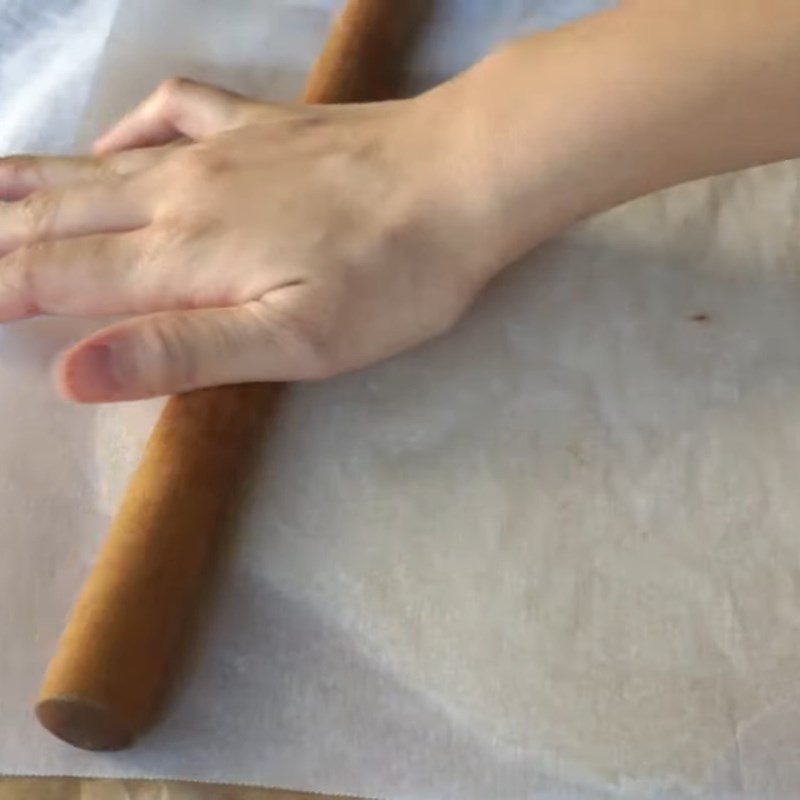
257, 242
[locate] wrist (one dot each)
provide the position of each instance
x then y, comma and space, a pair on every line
526, 146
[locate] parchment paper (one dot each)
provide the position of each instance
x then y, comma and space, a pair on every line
666, 314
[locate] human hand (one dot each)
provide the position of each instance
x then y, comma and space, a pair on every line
247, 241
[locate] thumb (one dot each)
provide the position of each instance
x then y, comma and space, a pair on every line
173, 352
179, 107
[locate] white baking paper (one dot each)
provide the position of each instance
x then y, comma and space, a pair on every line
644, 359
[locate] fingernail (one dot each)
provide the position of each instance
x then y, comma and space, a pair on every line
90, 374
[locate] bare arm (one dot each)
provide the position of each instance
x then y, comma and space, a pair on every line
648, 95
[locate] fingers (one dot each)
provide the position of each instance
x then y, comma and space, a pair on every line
169, 353
152, 268
83, 209
89, 275
23, 175
179, 107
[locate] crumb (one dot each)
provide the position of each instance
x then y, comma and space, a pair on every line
700, 318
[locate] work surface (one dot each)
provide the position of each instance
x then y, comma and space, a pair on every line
70, 789
552, 554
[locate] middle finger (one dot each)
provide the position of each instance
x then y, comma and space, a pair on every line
74, 211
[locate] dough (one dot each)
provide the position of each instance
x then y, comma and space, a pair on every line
573, 521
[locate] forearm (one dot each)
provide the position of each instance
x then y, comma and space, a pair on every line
654, 93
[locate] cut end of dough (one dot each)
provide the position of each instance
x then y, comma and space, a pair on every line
83, 724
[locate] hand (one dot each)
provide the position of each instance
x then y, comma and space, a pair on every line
248, 242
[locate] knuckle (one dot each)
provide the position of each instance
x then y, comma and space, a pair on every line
174, 236
451, 305
179, 231
158, 249
457, 294
110, 170
308, 342
312, 347
201, 164
21, 267
300, 121
26, 257
283, 124
166, 234
151, 253
208, 161
320, 364
164, 358
36, 214
171, 87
